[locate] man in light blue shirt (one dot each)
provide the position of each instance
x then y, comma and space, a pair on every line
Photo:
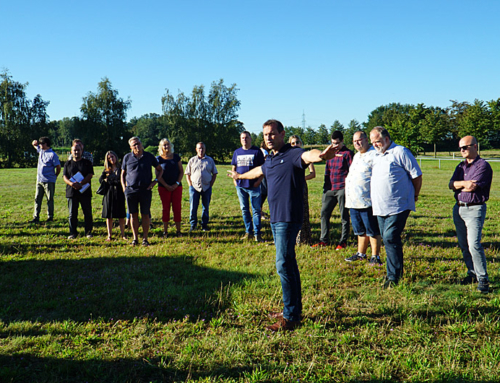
395, 186
48, 169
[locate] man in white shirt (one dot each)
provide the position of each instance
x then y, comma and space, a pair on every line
358, 200
201, 174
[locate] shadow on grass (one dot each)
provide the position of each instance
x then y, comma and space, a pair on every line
30, 368
113, 288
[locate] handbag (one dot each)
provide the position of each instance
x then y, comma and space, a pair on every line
103, 188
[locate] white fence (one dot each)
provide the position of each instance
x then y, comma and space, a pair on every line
420, 158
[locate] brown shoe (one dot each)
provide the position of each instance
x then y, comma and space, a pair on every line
275, 315
284, 325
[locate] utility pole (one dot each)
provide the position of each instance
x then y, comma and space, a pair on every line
303, 121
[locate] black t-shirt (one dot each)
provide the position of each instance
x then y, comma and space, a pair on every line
71, 168
138, 177
170, 169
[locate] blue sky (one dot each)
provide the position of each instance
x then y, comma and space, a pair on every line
332, 60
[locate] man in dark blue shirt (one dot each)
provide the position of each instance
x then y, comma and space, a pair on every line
137, 186
284, 171
245, 159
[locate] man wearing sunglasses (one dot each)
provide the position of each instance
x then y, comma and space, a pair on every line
471, 183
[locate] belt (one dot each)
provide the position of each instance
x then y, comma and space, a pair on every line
469, 204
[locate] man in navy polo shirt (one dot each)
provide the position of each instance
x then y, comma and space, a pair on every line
284, 171
137, 186
245, 159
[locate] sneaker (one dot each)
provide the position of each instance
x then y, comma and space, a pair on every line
258, 238
72, 236
356, 257
145, 242
284, 325
165, 235
375, 260
90, 236
483, 286
50, 219
178, 234
245, 237
134, 242
319, 244
34, 221
193, 228
389, 284
341, 246
205, 228
469, 280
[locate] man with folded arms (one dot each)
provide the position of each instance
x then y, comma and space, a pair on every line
284, 170
471, 183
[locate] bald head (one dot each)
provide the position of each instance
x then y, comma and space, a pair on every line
468, 148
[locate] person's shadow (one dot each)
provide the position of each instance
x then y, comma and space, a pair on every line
120, 288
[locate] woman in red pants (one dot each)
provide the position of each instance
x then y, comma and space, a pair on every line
170, 186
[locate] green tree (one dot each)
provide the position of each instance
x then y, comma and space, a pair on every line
476, 121
335, 126
103, 126
209, 118
322, 135
20, 120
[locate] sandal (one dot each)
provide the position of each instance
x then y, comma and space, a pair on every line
145, 242
108, 239
135, 242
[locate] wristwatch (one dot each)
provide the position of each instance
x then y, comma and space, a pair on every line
178, 183
155, 180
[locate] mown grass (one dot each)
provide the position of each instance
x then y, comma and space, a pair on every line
194, 308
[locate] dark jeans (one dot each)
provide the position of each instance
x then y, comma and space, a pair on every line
391, 228
330, 200
285, 234
86, 203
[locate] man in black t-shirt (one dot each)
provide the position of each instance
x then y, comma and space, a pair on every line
77, 174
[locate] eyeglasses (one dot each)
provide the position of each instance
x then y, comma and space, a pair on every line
466, 147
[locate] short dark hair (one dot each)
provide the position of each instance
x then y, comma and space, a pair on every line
246, 132
275, 124
45, 140
337, 135
77, 141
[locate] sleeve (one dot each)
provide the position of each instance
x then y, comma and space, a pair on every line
124, 162
154, 161
214, 171
187, 171
410, 164
349, 156
484, 176
55, 160
91, 168
102, 177
234, 161
457, 174
66, 170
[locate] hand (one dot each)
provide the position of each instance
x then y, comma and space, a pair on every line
151, 186
76, 185
330, 152
35, 143
469, 186
231, 173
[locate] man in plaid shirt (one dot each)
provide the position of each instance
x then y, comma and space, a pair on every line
334, 191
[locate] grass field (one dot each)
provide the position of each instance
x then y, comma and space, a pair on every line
194, 308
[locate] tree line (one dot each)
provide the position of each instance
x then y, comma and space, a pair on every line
211, 115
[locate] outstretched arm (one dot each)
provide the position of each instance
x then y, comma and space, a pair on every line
250, 175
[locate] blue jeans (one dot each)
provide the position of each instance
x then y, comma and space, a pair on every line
285, 235
194, 202
469, 221
391, 228
251, 196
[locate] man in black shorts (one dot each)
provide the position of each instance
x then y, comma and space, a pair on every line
137, 186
